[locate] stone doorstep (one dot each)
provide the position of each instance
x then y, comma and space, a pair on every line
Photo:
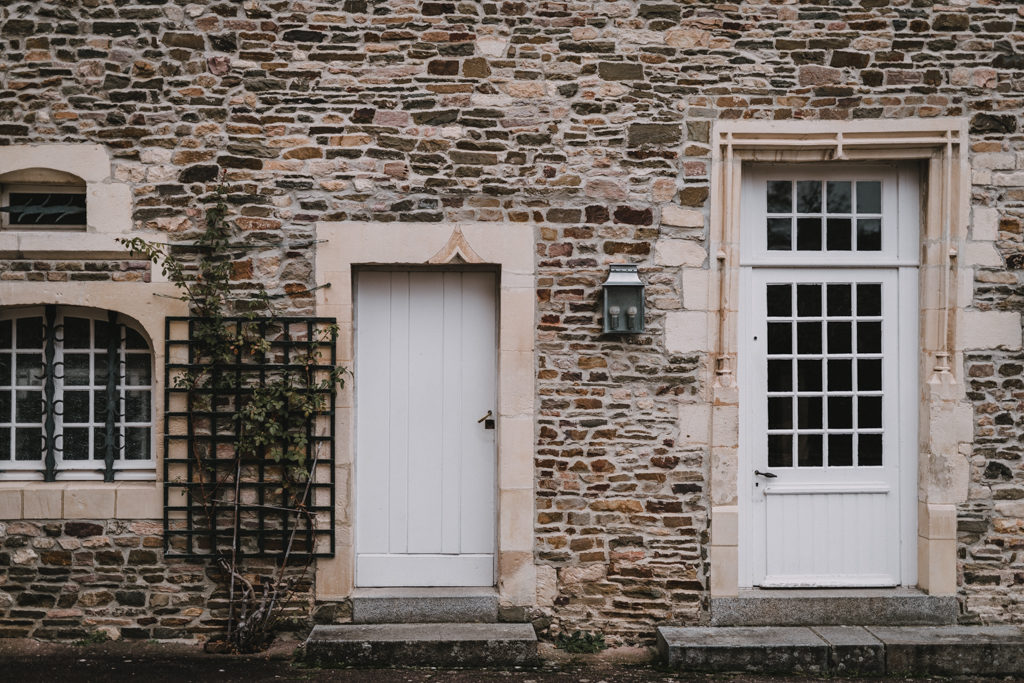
845, 650
424, 605
838, 607
458, 645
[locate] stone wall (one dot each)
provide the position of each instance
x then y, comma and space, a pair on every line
589, 119
67, 579
71, 579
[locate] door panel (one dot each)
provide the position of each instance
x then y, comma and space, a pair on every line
425, 466
825, 421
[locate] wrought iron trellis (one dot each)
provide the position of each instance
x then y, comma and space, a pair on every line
201, 430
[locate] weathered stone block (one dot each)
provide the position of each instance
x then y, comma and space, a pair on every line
620, 71
654, 134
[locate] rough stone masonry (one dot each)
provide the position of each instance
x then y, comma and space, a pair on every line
589, 119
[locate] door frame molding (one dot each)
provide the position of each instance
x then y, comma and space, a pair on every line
940, 146
509, 247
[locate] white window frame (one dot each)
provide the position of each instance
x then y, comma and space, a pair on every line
89, 469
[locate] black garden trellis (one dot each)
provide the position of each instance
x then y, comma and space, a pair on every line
275, 516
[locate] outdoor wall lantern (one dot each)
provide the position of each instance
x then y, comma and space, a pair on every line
623, 301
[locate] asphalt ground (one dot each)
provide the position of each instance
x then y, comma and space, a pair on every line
24, 661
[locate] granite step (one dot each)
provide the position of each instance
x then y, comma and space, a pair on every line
845, 650
837, 607
424, 605
446, 645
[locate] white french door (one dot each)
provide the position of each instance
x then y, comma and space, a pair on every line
828, 378
425, 460
826, 475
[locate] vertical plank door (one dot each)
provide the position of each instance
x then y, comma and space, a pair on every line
425, 465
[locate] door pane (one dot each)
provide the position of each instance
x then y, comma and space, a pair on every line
780, 450
780, 234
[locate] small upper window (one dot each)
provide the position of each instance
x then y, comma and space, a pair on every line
42, 199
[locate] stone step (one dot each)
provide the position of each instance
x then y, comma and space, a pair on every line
424, 605
447, 645
845, 650
836, 607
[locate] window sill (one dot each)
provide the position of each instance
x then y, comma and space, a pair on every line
62, 243
80, 500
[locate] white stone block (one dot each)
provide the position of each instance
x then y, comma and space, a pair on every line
109, 208
669, 252
89, 501
725, 525
695, 288
725, 571
986, 223
43, 501
88, 162
989, 330
981, 254
995, 160
725, 425
682, 218
515, 459
1015, 178
10, 504
694, 423
686, 331
139, 501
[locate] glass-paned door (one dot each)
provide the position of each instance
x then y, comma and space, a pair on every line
827, 373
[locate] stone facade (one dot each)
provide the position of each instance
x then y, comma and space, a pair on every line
590, 120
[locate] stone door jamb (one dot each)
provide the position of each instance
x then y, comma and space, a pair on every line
509, 247
946, 418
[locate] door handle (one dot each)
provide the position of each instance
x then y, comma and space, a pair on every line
766, 475
484, 417
487, 420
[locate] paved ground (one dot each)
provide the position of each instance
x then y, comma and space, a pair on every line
28, 660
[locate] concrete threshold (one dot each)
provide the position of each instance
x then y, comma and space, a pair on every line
837, 607
845, 650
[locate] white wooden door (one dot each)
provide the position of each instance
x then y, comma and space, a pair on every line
827, 496
425, 462
828, 379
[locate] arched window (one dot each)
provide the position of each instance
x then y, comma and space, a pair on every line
75, 395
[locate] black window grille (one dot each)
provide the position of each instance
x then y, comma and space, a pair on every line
201, 431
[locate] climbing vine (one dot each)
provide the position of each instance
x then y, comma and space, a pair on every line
273, 419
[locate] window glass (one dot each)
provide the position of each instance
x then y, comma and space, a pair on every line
816, 216
41, 208
824, 374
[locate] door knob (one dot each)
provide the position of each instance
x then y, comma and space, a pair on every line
766, 475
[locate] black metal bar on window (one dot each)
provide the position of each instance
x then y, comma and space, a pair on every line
113, 397
49, 388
